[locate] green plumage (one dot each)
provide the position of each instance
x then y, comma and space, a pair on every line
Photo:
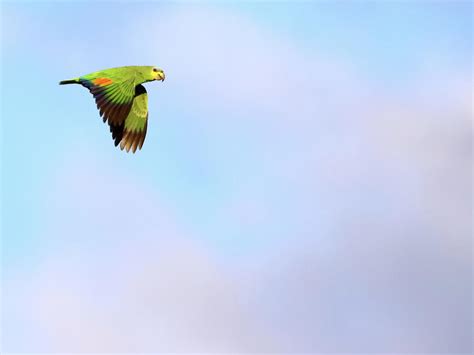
122, 101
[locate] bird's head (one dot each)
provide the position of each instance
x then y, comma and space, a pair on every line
157, 74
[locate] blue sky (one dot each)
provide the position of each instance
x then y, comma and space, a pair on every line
304, 185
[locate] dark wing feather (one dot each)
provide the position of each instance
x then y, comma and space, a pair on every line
113, 97
134, 130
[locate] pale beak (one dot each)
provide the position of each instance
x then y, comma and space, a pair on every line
161, 76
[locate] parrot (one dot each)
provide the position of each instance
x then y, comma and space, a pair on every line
122, 100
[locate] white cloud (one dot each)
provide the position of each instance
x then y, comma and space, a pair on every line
120, 274
359, 202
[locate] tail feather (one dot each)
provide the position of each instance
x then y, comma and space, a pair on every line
73, 81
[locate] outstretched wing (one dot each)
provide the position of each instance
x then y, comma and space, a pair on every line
113, 95
131, 133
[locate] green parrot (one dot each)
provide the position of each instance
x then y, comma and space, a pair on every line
122, 100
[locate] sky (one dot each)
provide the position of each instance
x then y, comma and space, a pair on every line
305, 184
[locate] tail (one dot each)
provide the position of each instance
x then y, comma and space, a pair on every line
73, 81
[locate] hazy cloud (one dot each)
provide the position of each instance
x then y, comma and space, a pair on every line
342, 222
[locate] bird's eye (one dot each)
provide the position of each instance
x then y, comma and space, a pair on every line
155, 70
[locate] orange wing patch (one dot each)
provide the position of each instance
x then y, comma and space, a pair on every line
102, 81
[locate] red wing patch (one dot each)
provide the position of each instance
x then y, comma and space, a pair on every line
102, 81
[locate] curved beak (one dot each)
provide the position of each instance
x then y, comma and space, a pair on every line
161, 76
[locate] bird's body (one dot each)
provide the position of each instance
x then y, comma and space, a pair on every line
122, 100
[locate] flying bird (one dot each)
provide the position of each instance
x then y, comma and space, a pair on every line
122, 101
